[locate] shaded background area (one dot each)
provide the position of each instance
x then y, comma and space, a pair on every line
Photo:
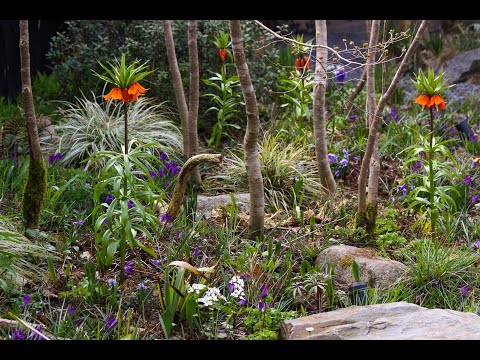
40, 32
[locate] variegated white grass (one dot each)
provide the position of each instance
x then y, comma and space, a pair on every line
280, 164
20, 257
89, 126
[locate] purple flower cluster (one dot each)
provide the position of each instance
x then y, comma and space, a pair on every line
54, 157
165, 218
33, 335
18, 335
339, 166
393, 115
340, 75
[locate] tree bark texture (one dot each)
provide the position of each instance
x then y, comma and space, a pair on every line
373, 130
35, 187
183, 177
319, 111
177, 86
250, 143
193, 99
374, 171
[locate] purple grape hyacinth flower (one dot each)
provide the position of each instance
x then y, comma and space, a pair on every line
54, 157
163, 156
110, 323
33, 335
18, 335
112, 282
196, 251
165, 217
261, 305
129, 266
467, 180
344, 163
155, 262
130, 204
464, 290
243, 302
109, 198
26, 301
474, 199
264, 291
70, 310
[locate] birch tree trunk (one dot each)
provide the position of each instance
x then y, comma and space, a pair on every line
193, 98
36, 185
373, 130
177, 86
319, 112
250, 143
374, 171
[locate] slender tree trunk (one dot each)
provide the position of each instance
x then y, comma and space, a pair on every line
319, 112
177, 86
250, 144
374, 171
193, 98
36, 184
362, 179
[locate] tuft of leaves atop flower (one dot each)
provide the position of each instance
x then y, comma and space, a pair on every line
430, 84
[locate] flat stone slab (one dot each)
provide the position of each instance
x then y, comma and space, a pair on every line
374, 270
209, 203
391, 321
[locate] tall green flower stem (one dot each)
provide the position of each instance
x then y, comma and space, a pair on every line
123, 242
431, 188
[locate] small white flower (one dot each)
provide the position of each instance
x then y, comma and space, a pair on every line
211, 295
309, 329
197, 288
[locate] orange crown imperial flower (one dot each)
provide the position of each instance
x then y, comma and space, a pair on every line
125, 79
430, 101
302, 63
223, 54
430, 87
128, 94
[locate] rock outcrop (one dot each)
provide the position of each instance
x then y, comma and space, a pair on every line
391, 321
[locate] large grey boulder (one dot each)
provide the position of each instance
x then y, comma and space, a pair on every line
374, 270
391, 321
462, 66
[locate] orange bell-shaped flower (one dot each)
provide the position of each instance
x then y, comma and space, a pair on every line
438, 102
223, 54
423, 100
115, 94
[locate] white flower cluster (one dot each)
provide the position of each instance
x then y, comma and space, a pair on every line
197, 288
238, 287
211, 295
